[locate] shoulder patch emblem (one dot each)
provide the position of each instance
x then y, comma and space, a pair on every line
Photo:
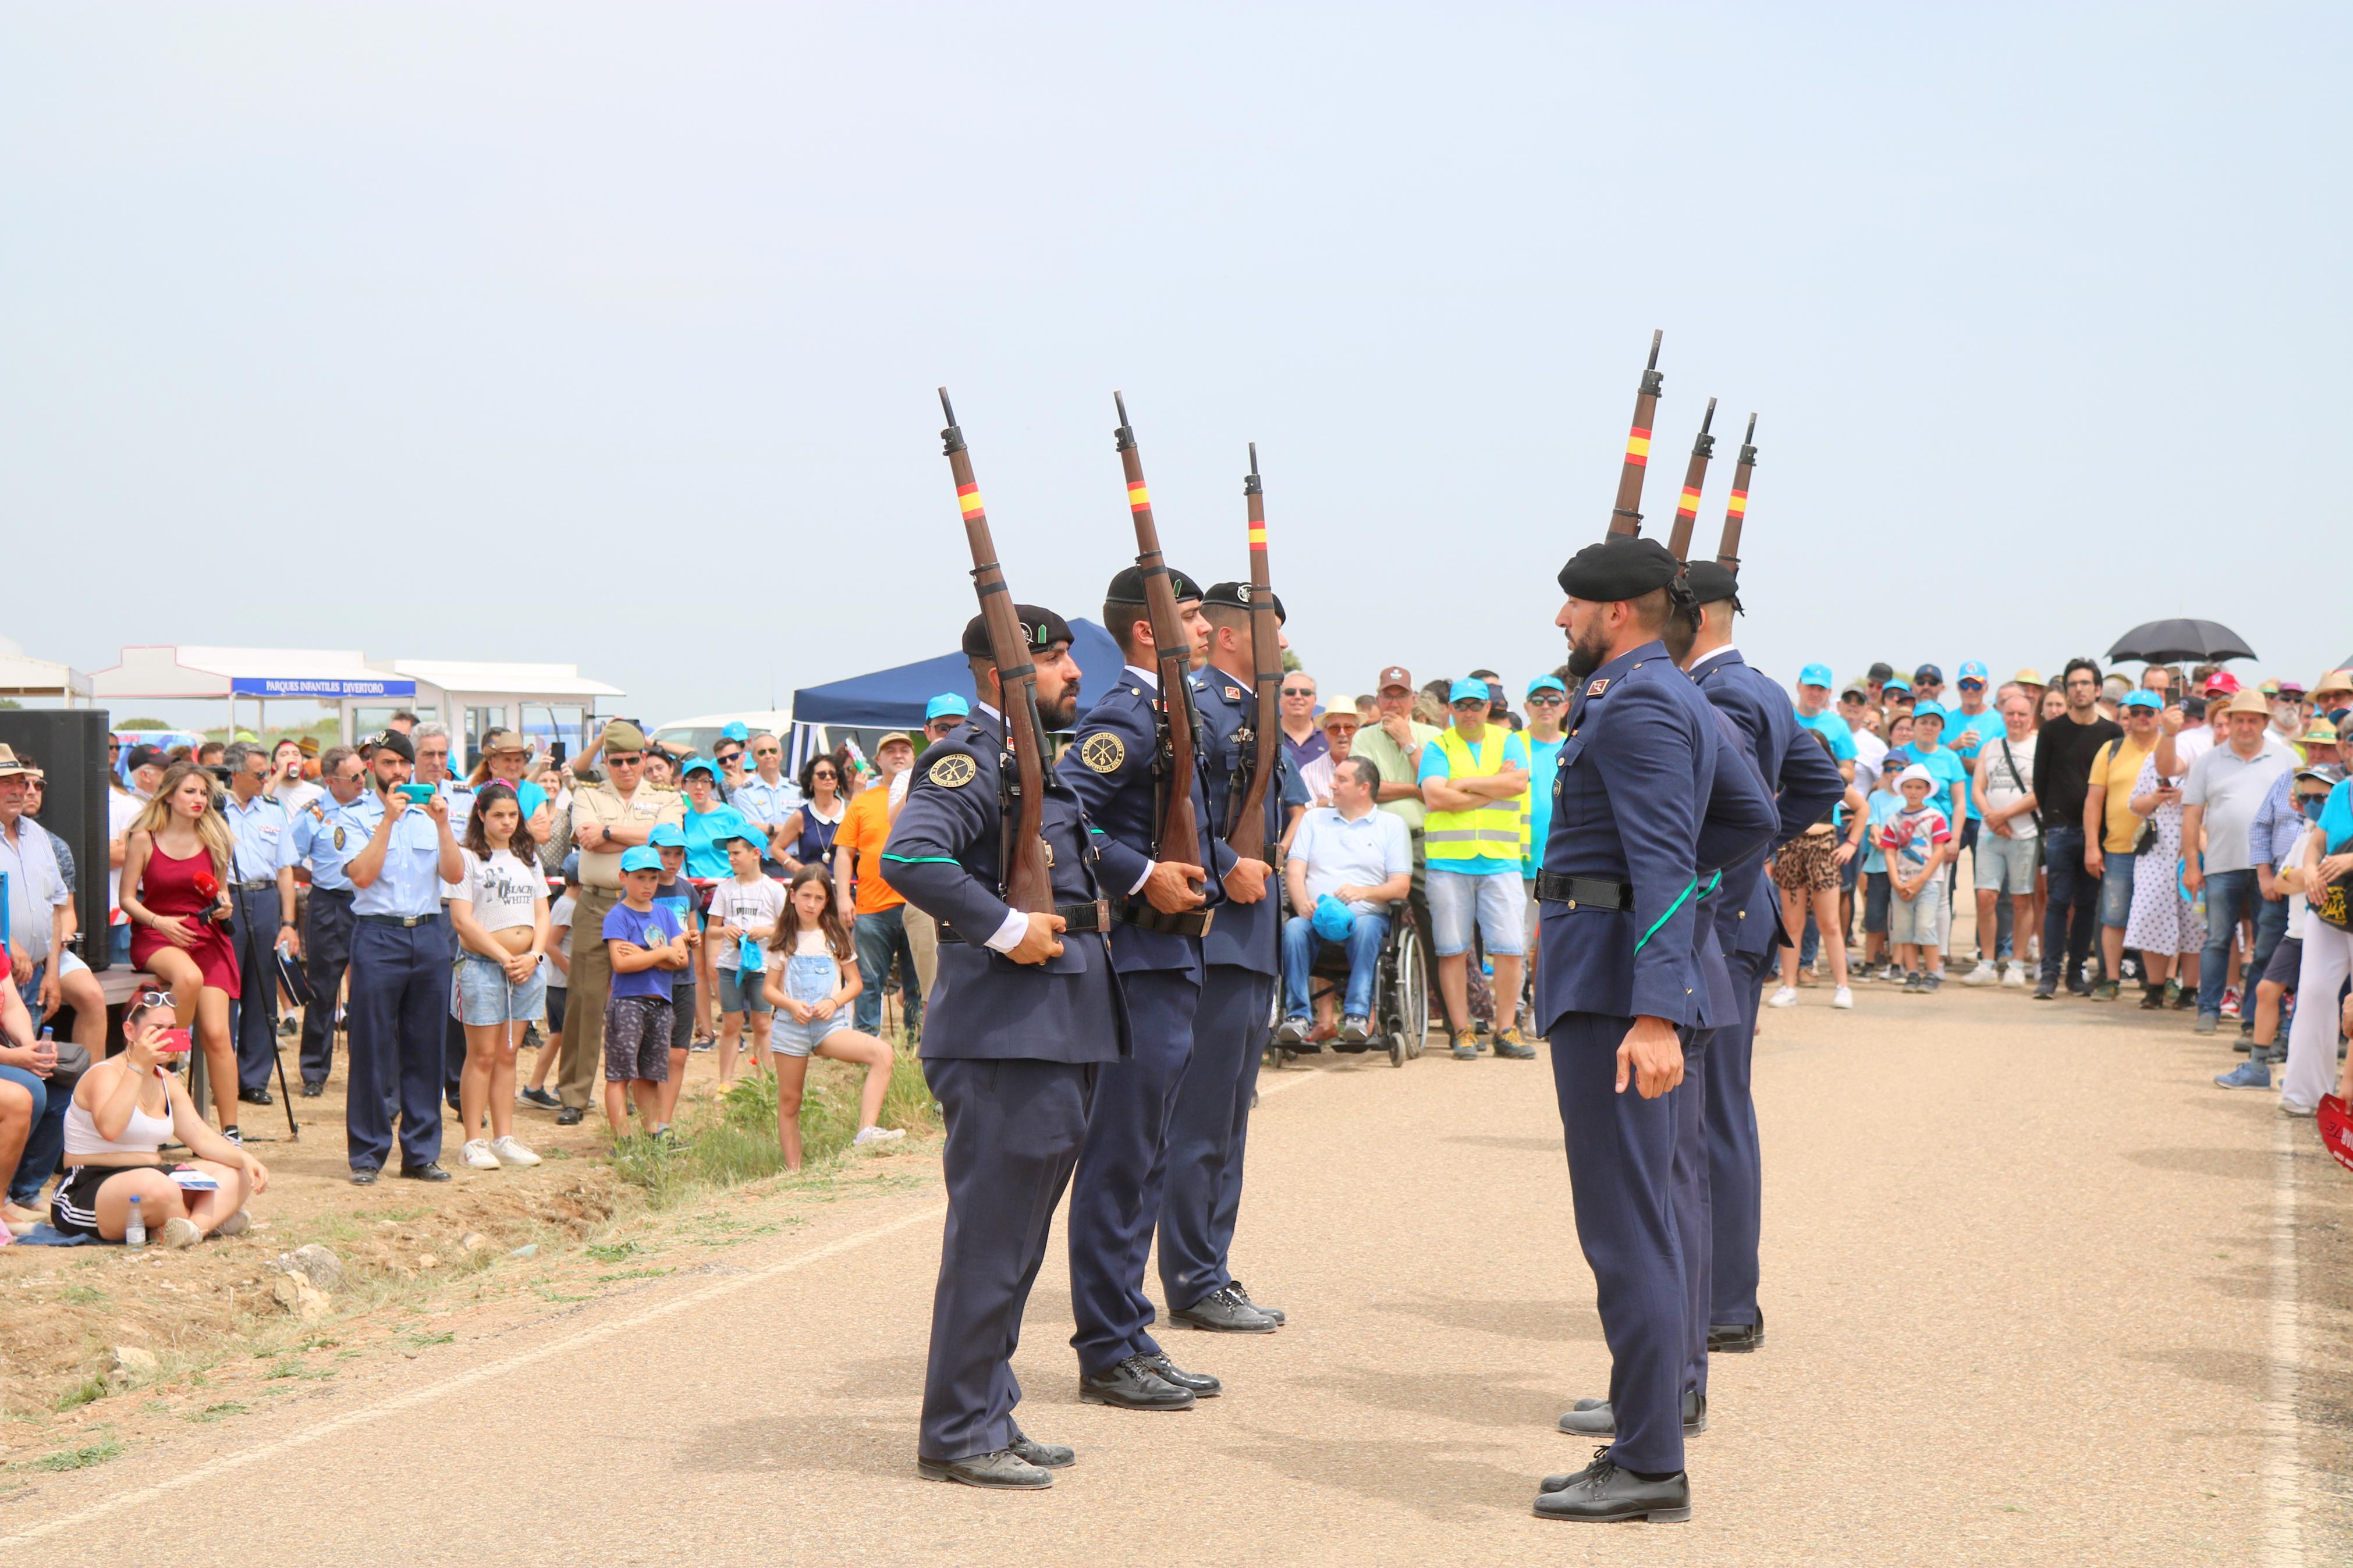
1233, 695
339, 838
1104, 751
953, 771
1596, 688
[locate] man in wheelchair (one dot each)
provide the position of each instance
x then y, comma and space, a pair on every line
1360, 858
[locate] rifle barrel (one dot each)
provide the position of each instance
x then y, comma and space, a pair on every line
1736, 510
1626, 517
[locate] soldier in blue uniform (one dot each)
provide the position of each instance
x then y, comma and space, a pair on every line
1159, 912
1242, 957
324, 837
1621, 984
1026, 1016
1748, 925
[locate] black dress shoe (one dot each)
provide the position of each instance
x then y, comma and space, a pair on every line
312, 1090
1243, 1297
1045, 1456
430, 1171
1003, 1470
255, 1097
1594, 1418
570, 1116
363, 1175
1735, 1338
1601, 1494
1203, 1386
1222, 1312
1133, 1385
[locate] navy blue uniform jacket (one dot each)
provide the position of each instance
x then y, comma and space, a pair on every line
1802, 775
1248, 935
943, 857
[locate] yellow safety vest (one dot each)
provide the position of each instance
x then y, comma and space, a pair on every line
1498, 831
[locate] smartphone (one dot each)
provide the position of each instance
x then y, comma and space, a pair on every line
417, 793
174, 1041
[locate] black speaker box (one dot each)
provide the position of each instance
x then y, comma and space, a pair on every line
69, 745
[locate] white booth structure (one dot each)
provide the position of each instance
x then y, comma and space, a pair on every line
23, 675
546, 702
185, 673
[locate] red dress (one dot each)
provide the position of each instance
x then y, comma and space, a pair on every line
168, 887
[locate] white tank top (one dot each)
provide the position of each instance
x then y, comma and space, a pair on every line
142, 1134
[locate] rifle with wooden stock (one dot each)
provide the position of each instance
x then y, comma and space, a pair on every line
1736, 510
1172, 660
1627, 516
1028, 875
1245, 832
1694, 478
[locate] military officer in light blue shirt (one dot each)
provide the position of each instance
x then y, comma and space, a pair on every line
400, 969
256, 823
324, 836
765, 795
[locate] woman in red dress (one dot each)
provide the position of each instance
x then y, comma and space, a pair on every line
178, 845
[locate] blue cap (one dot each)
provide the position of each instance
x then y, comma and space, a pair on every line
1929, 672
1333, 920
945, 702
1930, 709
1816, 675
1546, 683
1467, 690
640, 857
1894, 683
665, 836
702, 765
2141, 700
1896, 757
1971, 670
738, 730
571, 866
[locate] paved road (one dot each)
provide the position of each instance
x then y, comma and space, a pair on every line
2036, 1295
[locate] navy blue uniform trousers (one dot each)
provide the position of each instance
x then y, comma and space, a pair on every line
1014, 1128
1208, 1131
1694, 1224
1735, 1163
1621, 1151
400, 997
253, 934
326, 953
1116, 1199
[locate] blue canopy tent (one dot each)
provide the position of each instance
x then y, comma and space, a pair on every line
893, 698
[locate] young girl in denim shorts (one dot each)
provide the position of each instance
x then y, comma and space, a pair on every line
811, 982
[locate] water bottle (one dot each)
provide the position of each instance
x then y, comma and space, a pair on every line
134, 1229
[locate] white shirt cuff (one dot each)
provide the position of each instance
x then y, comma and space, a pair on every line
1009, 935
1149, 867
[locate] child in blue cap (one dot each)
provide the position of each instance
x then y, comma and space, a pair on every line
647, 948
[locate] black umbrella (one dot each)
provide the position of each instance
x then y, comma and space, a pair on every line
2163, 642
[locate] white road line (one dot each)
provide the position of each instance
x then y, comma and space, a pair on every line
2283, 1463
133, 1500
459, 1382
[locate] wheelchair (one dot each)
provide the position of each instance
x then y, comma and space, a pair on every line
1400, 1016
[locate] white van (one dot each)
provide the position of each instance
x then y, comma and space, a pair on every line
700, 734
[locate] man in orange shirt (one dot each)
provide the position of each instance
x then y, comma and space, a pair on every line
876, 912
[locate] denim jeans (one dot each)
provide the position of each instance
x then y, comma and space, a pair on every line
2074, 914
2228, 896
1299, 944
880, 938
45, 1142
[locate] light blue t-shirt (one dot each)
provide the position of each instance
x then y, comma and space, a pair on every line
1434, 767
1544, 766
1989, 727
1949, 770
1830, 724
1885, 807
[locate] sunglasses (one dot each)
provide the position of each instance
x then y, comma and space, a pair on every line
1297, 691
154, 999
1545, 699
726, 757
823, 774
767, 750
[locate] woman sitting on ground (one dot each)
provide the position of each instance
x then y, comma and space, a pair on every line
124, 1111
811, 991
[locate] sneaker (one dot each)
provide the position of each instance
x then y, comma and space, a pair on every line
2015, 975
2231, 1002
288, 1028
539, 1099
2152, 999
2105, 991
1356, 1028
2185, 999
1466, 1046
1292, 1030
869, 1136
1985, 974
237, 1223
2246, 1075
702, 1043
181, 1231
2205, 1025
1843, 997
1913, 985
1933, 983
234, 1136
1510, 1046
1785, 997
511, 1152
476, 1157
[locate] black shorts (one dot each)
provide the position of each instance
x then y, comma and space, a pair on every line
1875, 894
2287, 958
636, 1039
556, 996
73, 1207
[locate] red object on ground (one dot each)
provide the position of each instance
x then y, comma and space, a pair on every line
2336, 1128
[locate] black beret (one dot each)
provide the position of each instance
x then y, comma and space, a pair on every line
1127, 588
398, 744
1236, 596
1624, 566
1041, 627
1710, 583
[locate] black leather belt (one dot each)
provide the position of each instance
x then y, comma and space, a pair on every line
1579, 893
1144, 917
1075, 918
254, 887
406, 922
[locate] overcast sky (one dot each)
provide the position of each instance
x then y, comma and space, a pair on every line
608, 334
